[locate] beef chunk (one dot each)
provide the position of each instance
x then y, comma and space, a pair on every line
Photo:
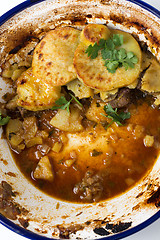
124, 97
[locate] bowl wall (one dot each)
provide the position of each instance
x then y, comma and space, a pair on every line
43, 214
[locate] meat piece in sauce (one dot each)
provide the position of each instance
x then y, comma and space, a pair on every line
90, 188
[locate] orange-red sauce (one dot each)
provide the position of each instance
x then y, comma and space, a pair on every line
121, 162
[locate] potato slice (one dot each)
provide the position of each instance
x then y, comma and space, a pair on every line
44, 170
147, 58
53, 56
79, 89
94, 74
93, 33
150, 80
105, 96
36, 94
68, 121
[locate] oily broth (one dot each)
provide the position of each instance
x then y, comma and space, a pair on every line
117, 155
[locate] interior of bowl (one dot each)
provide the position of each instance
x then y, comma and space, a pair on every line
41, 213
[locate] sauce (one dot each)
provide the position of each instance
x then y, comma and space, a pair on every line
106, 163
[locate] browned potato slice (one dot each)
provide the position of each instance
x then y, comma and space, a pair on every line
94, 74
36, 94
53, 56
93, 33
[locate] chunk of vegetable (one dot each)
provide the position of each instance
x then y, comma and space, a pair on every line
150, 80
14, 132
35, 94
79, 89
17, 73
94, 111
68, 121
148, 141
57, 147
44, 170
69, 162
107, 95
33, 141
13, 72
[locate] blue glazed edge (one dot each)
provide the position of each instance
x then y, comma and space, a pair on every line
29, 3
26, 4
146, 6
21, 231
26, 233
30, 235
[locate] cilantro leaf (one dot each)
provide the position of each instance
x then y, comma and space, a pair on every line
93, 50
117, 39
111, 66
101, 43
73, 97
116, 117
4, 121
134, 59
124, 115
130, 55
63, 104
106, 54
121, 54
109, 44
113, 56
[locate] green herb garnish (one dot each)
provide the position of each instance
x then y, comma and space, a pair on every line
116, 117
64, 104
4, 121
73, 97
113, 56
93, 50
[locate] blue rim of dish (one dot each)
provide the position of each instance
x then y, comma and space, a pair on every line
29, 3
26, 233
34, 236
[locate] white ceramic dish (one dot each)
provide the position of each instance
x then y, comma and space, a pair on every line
147, 213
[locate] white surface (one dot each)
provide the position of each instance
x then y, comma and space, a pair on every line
152, 232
